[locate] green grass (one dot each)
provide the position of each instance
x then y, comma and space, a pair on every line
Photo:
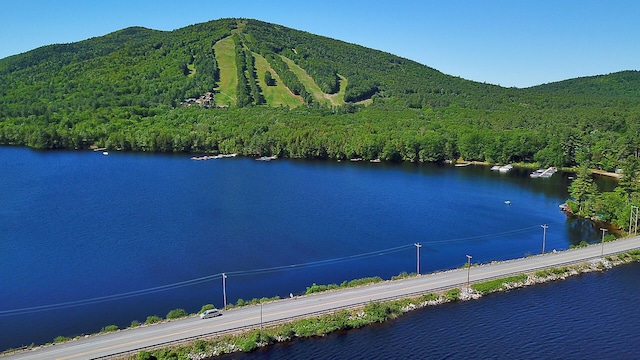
278, 95
452, 295
553, 271
497, 284
226, 57
308, 82
338, 98
192, 70
315, 288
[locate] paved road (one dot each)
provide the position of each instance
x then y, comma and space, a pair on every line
148, 336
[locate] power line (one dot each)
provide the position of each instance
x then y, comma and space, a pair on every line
177, 285
321, 262
106, 298
156, 289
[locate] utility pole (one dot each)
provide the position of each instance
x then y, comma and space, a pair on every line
544, 236
633, 226
469, 273
418, 246
602, 251
224, 290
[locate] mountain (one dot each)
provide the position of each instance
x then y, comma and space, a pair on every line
246, 86
622, 84
150, 68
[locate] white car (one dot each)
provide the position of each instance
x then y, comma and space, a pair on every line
210, 313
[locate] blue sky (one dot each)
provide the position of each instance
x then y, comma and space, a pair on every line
506, 42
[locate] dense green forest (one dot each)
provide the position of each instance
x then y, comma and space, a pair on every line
128, 90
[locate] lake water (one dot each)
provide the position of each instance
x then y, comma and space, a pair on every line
590, 316
96, 240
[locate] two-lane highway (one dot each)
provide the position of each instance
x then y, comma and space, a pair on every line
132, 340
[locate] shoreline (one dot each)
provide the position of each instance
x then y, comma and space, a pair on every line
606, 173
231, 343
247, 340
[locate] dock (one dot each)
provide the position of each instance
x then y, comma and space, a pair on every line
206, 157
541, 173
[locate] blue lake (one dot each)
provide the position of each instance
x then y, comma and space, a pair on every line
591, 316
97, 240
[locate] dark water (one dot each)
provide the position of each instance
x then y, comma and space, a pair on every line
591, 316
97, 240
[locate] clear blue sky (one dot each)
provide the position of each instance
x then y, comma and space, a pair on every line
506, 42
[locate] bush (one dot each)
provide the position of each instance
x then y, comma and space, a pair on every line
379, 312
306, 327
206, 307
315, 288
199, 346
109, 328
430, 297
249, 342
560, 271
452, 295
60, 339
580, 245
134, 323
285, 331
176, 314
364, 281
402, 275
152, 319
145, 355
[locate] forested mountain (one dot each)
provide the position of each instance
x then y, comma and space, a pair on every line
254, 88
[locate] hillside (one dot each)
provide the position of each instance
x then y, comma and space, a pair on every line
246, 86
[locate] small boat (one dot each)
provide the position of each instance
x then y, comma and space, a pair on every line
267, 158
507, 202
537, 173
503, 169
213, 157
462, 164
105, 153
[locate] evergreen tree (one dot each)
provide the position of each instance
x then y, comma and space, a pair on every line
582, 189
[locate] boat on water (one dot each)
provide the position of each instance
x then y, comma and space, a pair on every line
207, 157
462, 164
105, 153
267, 158
502, 169
536, 174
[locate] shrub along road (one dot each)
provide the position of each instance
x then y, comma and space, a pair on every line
132, 340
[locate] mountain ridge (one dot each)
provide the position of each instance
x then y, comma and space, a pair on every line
128, 90
117, 33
